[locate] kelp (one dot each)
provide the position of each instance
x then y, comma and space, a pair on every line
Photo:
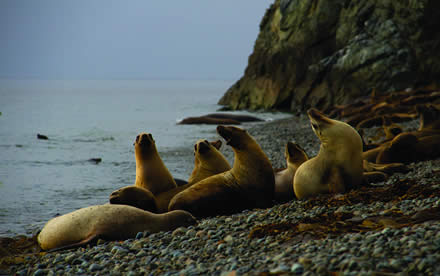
15, 250
338, 223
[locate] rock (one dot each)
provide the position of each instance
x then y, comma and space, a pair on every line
95, 267
40, 272
219, 118
139, 235
42, 136
228, 239
321, 53
297, 268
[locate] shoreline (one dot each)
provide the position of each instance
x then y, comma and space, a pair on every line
232, 245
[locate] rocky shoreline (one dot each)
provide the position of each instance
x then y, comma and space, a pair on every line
382, 229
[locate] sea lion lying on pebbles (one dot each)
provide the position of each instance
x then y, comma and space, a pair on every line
108, 222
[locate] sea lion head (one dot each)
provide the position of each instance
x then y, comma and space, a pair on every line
328, 131
134, 196
144, 143
203, 147
180, 218
234, 136
295, 154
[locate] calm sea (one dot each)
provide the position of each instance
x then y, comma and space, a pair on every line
40, 179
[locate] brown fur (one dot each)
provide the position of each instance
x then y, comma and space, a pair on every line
295, 156
135, 196
338, 165
151, 172
109, 222
208, 161
249, 184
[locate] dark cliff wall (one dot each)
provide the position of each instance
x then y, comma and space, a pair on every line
324, 52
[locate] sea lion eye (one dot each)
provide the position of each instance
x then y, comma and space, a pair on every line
137, 138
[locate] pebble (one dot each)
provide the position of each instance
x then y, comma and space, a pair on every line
221, 245
94, 267
297, 268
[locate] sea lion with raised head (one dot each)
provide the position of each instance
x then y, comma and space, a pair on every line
338, 165
249, 184
151, 172
295, 156
208, 160
108, 222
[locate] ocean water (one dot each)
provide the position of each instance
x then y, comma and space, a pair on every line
40, 179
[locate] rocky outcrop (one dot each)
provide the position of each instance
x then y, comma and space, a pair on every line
320, 53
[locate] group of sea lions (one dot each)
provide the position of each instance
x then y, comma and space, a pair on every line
343, 162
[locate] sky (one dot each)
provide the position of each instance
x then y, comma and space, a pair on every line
134, 39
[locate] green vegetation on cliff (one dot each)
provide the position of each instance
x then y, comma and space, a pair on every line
320, 53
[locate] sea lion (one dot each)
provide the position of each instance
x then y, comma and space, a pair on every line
295, 156
407, 147
249, 184
151, 173
208, 160
338, 165
108, 222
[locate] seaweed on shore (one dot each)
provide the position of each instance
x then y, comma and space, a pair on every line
14, 250
337, 223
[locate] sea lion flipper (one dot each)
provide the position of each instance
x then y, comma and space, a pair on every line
77, 244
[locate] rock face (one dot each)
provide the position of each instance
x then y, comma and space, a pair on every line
320, 52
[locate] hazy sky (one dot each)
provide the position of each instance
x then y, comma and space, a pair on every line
134, 39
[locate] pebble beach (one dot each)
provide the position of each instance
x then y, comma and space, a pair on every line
261, 241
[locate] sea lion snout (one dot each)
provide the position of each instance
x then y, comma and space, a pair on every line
144, 139
293, 149
317, 117
203, 146
114, 197
229, 133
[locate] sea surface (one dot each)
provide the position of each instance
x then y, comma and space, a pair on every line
40, 179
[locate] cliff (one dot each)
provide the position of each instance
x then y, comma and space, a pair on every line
320, 52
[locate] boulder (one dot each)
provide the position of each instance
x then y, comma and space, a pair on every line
321, 53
